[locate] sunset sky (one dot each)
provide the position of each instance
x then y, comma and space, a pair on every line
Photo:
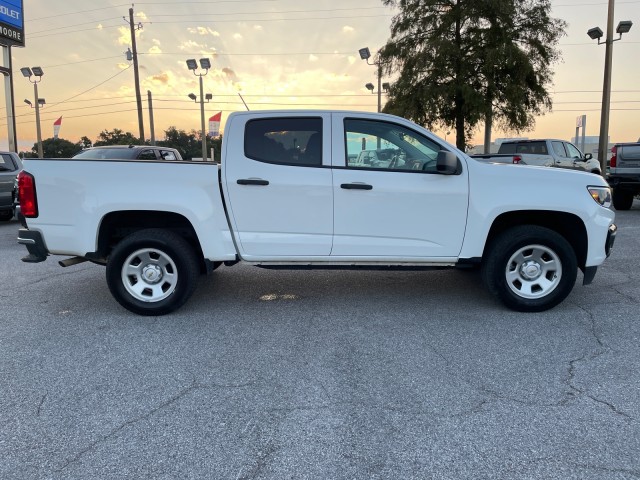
277, 54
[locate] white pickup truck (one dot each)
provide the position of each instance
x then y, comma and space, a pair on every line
288, 194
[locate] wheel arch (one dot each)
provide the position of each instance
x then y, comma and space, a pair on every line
570, 226
115, 226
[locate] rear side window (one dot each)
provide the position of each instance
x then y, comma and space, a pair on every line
6, 163
147, 155
539, 148
558, 148
291, 141
507, 148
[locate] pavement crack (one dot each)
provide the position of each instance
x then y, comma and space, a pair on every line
181, 394
262, 459
44, 397
601, 349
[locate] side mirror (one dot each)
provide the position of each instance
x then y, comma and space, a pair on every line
588, 156
446, 163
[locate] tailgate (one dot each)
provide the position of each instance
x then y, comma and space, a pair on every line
629, 156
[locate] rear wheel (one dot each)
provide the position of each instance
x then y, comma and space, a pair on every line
6, 215
152, 272
530, 268
622, 199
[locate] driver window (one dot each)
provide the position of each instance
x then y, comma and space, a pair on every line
383, 145
558, 148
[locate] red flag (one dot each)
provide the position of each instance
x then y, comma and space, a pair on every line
56, 127
214, 125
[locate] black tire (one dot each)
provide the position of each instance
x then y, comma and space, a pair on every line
163, 271
6, 215
622, 199
530, 268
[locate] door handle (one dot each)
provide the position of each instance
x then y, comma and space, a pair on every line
252, 181
356, 186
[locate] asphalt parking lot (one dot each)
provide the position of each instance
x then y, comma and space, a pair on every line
319, 375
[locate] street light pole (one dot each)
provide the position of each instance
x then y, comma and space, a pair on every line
204, 133
595, 33
365, 54
205, 64
379, 87
38, 131
35, 72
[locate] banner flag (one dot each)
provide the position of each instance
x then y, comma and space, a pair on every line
56, 127
214, 125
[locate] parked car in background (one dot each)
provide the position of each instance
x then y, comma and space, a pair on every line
10, 166
624, 174
129, 152
543, 153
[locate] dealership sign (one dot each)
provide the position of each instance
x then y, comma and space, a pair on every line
11, 23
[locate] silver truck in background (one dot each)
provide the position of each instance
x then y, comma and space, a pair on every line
624, 174
543, 153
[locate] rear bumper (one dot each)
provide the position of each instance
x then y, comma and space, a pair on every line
35, 245
629, 181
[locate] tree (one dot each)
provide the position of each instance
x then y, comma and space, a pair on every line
85, 142
115, 137
189, 144
55, 148
463, 61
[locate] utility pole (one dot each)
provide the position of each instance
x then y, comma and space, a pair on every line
153, 133
10, 102
603, 144
136, 75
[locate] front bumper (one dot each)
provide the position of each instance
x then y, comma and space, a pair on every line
35, 245
611, 238
590, 272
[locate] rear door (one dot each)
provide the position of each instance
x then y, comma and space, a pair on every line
278, 184
400, 209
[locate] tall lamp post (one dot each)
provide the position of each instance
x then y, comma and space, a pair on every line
29, 73
192, 65
596, 33
365, 55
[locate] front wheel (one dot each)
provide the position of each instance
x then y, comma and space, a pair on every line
530, 268
152, 272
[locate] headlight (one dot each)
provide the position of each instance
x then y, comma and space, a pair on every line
602, 195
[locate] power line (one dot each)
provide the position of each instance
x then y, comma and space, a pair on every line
78, 12
74, 25
94, 87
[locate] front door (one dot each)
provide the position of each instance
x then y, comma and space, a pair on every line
397, 207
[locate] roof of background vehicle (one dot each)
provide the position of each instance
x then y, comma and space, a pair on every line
129, 146
535, 140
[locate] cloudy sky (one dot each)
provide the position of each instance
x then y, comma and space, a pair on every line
277, 54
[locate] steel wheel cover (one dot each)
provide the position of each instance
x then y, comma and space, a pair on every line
533, 271
149, 275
